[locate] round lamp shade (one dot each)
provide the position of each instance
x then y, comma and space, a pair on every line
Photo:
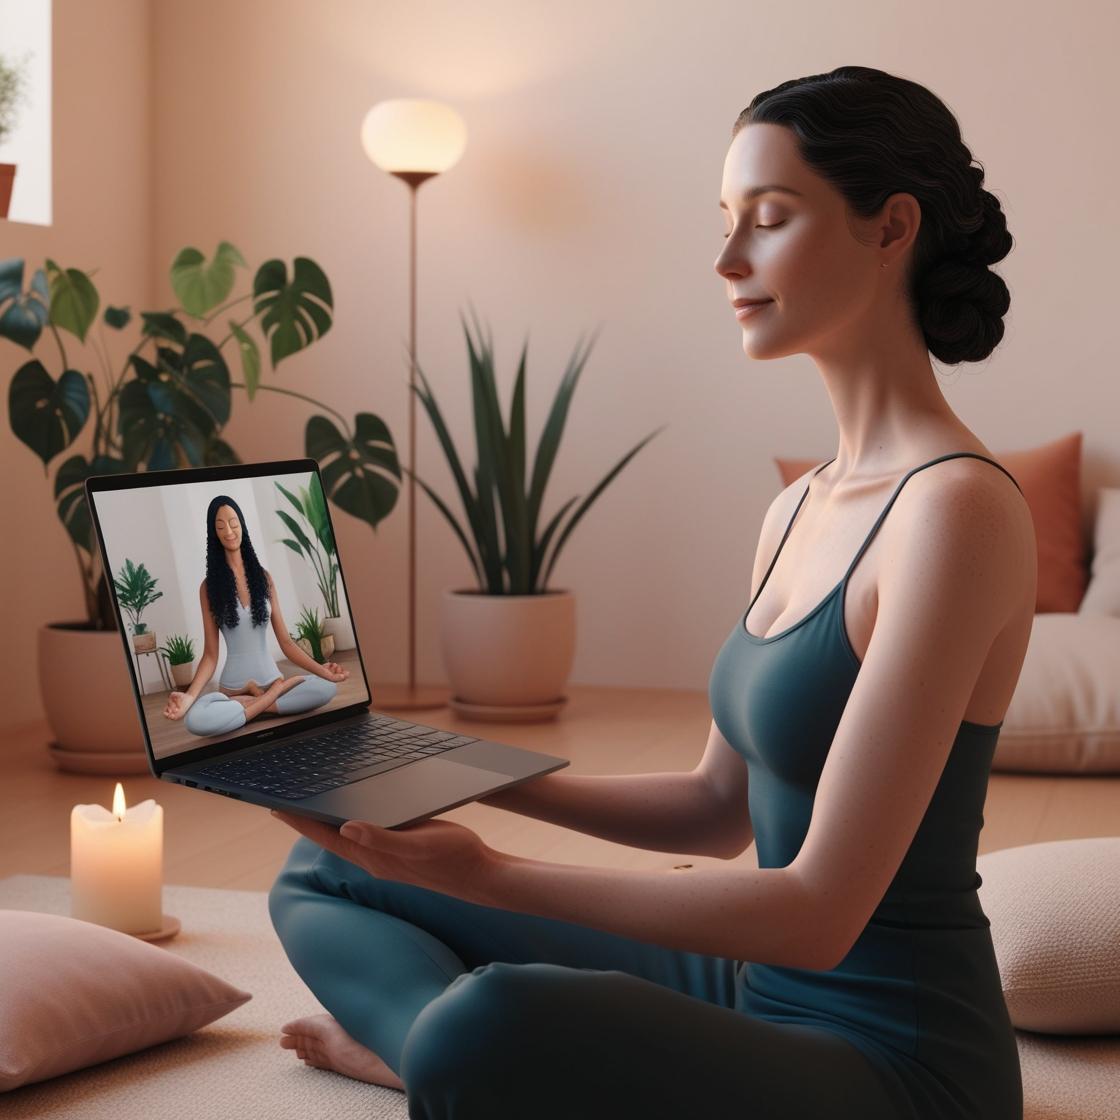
412, 134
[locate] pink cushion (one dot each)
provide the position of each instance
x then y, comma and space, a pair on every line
75, 993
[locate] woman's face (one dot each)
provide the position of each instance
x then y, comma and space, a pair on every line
817, 263
228, 527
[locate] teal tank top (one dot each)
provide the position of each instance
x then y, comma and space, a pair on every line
919, 993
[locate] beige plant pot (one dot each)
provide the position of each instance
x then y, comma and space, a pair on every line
326, 644
183, 673
88, 700
339, 628
508, 650
145, 642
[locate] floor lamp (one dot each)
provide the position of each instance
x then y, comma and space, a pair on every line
413, 139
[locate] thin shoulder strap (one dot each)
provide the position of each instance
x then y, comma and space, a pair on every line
914, 470
793, 517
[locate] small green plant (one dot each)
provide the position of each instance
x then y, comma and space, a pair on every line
179, 649
136, 591
316, 546
13, 92
309, 626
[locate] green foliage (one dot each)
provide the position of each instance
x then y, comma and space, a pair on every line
500, 498
309, 626
179, 649
317, 545
136, 591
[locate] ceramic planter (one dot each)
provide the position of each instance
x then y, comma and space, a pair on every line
511, 652
183, 673
145, 642
87, 696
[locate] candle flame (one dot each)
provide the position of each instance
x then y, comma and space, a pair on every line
118, 802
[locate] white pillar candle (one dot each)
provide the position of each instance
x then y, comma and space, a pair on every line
116, 865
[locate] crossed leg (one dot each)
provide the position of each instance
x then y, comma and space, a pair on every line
256, 700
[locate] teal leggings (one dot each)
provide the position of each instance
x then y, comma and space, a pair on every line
484, 1012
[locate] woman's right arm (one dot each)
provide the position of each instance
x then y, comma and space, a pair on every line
209, 660
679, 811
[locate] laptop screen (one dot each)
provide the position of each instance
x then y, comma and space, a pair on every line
230, 596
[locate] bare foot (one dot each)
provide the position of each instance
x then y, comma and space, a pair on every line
321, 1042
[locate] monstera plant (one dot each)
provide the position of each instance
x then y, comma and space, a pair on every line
168, 403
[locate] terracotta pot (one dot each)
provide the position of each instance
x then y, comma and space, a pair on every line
183, 673
510, 650
88, 699
142, 643
7, 178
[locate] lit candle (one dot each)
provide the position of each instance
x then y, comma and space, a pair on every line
116, 865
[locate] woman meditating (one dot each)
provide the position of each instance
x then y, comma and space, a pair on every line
857, 703
238, 597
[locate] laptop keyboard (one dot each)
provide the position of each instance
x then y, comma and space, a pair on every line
336, 758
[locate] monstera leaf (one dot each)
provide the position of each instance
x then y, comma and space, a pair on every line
26, 315
201, 286
355, 471
293, 314
47, 414
73, 509
74, 299
172, 411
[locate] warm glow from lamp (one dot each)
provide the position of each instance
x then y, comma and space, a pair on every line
413, 134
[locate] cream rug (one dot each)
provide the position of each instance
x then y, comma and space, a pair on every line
234, 1067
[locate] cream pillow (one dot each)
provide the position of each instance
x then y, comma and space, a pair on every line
1102, 596
1064, 716
75, 993
1054, 910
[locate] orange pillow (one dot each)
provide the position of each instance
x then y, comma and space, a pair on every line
1050, 477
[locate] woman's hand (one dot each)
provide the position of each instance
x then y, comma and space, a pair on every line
335, 672
438, 855
177, 705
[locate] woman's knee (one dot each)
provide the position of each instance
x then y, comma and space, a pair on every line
214, 713
312, 692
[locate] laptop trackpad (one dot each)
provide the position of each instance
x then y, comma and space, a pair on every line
422, 788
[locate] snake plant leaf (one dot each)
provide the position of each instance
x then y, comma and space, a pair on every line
117, 317
201, 286
250, 358
46, 414
295, 314
26, 315
74, 299
164, 324
541, 548
453, 523
586, 505
360, 475
553, 430
72, 507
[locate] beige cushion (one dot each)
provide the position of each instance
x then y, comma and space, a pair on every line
1102, 596
75, 993
1064, 716
1054, 910
1069, 1078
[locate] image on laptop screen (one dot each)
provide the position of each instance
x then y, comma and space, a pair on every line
251, 561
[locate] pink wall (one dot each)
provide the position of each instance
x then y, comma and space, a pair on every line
587, 194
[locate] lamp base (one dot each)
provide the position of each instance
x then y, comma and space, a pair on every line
401, 698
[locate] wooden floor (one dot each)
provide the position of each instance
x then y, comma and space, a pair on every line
213, 841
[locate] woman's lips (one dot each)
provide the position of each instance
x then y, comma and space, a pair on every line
750, 309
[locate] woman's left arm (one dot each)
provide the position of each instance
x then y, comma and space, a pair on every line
330, 671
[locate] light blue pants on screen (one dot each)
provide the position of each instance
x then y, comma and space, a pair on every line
490, 1013
214, 713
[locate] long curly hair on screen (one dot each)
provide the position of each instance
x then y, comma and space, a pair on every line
871, 135
221, 587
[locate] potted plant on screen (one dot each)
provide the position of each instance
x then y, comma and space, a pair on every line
180, 655
311, 637
316, 546
509, 643
136, 591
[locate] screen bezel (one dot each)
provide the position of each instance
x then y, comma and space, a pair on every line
99, 483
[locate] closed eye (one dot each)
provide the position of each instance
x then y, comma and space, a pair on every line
774, 226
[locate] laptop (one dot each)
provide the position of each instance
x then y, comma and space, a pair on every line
176, 543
